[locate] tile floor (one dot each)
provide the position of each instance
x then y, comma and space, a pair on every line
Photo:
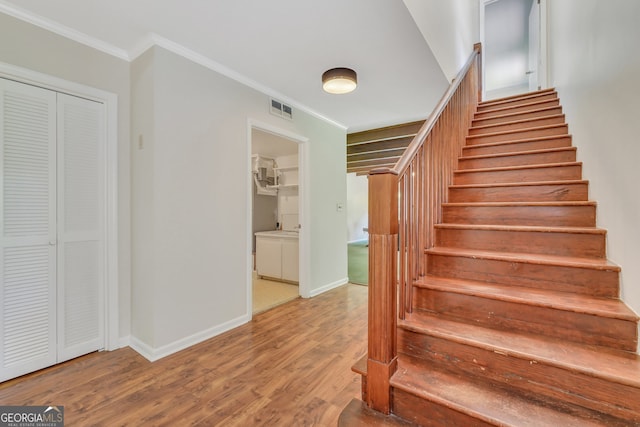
269, 293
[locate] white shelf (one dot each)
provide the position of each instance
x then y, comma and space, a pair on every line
282, 186
288, 172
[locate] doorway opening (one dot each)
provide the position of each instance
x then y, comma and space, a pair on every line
513, 36
276, 217
358, 228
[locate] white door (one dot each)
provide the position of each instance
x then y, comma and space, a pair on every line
534, 46
80, 226
27, 223
50, 239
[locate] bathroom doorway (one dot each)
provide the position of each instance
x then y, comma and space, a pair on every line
275, 219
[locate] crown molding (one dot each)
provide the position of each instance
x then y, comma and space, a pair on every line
180, 50
148, 42
141, 46
63, 31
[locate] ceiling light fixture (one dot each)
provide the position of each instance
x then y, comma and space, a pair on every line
339, 80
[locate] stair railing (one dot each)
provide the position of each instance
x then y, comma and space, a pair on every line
405, 202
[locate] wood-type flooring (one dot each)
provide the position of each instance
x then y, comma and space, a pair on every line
290, 366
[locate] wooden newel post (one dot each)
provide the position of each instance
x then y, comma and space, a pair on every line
383, 259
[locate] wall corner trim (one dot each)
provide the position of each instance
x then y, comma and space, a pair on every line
123, 342
152, 354
328, 287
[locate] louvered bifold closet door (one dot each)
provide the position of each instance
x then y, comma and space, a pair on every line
27, 229
81, 183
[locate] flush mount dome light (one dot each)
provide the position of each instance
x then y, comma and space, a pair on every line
339, 80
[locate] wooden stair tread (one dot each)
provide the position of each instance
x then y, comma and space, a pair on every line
482, 401
514, 190
517, 184
609, 364
358, 414
510, 100
518, 153
577, 303
540, 259
513, 122
531, 94
550, 203
360, 367
522, 167
507, 115
531, 228
528, 106
506, 132
515, 141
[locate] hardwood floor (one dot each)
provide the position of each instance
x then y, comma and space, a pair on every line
288, 367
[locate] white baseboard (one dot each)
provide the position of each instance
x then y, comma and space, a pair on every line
153, 354
124, 341
142, 348
328, 287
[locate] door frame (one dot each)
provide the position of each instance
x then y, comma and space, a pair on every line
304, 210
543, 60
110, 237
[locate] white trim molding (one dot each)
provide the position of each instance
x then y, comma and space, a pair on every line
124, 341
304, 210
148, 41
152, 354
329, 287
63, 30
178, 49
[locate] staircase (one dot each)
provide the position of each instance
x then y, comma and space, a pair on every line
517, 321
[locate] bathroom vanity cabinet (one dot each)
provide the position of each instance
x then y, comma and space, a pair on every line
277, 255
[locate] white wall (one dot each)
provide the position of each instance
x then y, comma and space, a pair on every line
142, 209
196, 168
451, 28
595, 67
357, 207
30, 47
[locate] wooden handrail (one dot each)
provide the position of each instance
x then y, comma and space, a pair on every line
405, 202
419, 139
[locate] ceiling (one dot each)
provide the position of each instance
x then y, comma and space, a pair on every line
270, 145
281, 47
